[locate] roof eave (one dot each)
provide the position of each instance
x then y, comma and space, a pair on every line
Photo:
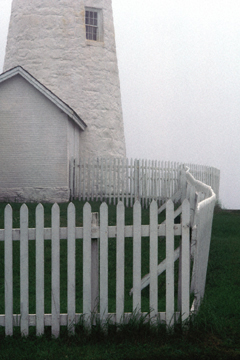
18, 70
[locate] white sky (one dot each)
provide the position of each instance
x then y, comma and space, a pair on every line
179, 65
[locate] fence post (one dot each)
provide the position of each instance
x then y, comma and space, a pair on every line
94, 266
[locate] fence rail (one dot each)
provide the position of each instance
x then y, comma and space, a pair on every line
112, 179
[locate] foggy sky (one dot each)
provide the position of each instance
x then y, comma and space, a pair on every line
179, 66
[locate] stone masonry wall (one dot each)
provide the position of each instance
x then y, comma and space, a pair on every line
47, 38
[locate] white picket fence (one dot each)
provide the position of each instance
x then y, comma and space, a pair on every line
202, 200
196, 210
114, 179
88, 233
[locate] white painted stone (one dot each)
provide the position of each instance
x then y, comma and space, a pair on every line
47, 38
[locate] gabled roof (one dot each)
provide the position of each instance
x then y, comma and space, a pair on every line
18, 70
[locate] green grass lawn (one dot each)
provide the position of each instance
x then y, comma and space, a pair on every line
213, 334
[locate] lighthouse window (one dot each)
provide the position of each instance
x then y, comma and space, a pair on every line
93, 23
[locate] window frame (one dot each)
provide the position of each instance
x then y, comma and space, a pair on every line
99, 37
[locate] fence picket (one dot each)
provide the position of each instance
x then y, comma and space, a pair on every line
8, 260
24, 269
169, 263
131, 183
185, 260
103, 261
114, 181
127, 183
200, 221
40, 269
110, 182
146, 182
80, 180
55, 270
120, 262
71, 235
153, 258
87, 301
137, 256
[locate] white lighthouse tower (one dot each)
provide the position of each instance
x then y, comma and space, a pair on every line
69, 47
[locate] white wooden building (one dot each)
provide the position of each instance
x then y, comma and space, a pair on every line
39, 134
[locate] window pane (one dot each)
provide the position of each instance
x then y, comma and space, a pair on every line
87, 17
91, 33
95, 19
94, 34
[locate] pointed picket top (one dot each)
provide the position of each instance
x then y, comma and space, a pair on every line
120, 205
137, 203
71, 205
23, 212
87, 207
8, 212
8, 209
169, 203
55, 215
39, 206
104, 206
8, 218
39, 213
153, 205
24, 221
71, 216
55, 207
